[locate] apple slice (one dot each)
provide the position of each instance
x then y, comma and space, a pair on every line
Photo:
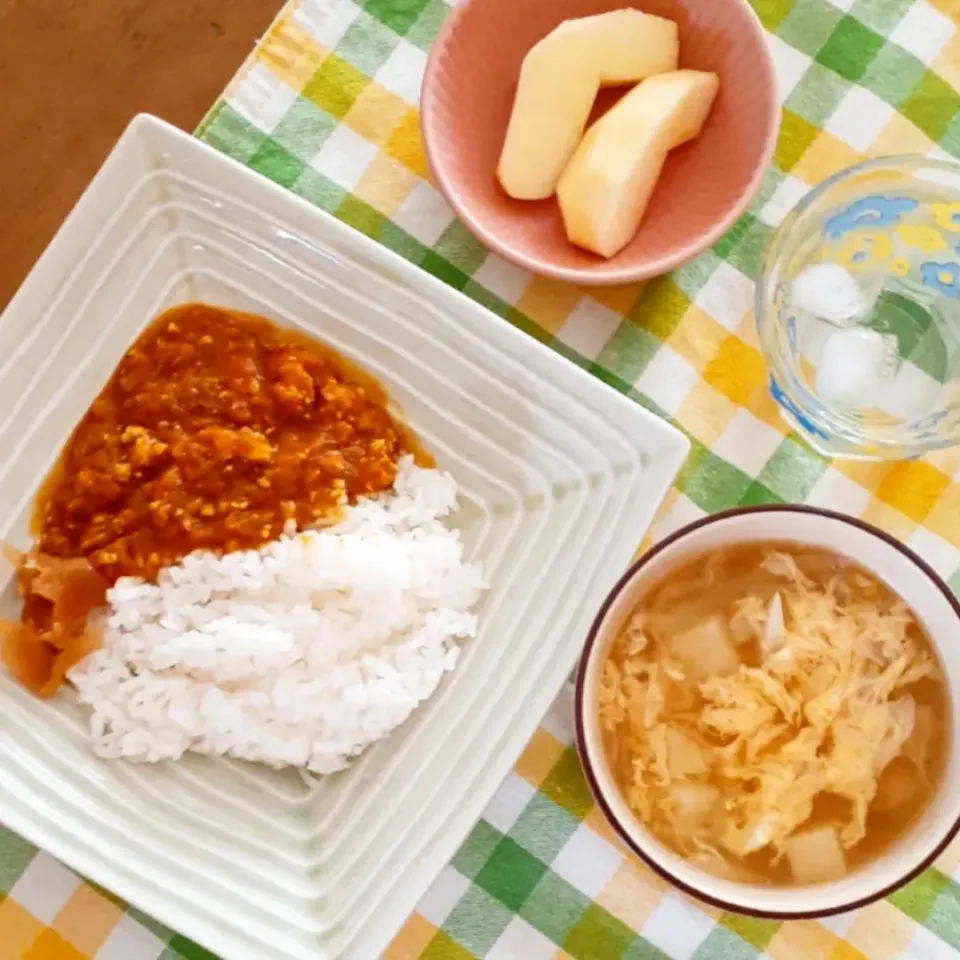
607, 185
559, 79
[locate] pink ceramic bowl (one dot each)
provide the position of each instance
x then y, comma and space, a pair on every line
468, 91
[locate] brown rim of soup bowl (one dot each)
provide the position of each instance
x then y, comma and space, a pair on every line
591, 654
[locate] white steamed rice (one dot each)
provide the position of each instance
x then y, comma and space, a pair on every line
301, 653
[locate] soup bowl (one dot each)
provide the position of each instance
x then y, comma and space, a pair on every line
934, 606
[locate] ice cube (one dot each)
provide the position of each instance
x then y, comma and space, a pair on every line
854, 365
829, 292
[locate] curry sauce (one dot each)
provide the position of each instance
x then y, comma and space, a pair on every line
217, 431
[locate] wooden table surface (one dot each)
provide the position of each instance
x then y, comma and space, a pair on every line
73, 72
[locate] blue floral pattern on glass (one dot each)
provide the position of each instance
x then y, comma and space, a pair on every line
868, 212
794, 411
942, 277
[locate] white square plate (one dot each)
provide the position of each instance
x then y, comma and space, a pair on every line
559, 476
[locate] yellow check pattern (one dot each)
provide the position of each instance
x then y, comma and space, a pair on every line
327, 107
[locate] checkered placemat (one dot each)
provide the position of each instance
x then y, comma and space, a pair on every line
327, 106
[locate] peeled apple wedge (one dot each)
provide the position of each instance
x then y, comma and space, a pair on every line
559, 79
606, 187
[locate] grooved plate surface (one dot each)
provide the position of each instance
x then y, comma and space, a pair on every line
559, 478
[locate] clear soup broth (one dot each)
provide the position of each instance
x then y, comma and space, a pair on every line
775, 714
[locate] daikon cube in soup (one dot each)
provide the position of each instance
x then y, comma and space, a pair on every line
774, 713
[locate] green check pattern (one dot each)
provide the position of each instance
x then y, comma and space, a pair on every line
327, 107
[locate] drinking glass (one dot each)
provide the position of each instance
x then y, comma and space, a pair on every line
858, 310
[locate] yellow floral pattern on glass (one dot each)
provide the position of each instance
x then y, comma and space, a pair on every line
947, 216
864, 249
921, 237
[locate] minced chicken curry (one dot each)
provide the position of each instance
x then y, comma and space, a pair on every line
216, 430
